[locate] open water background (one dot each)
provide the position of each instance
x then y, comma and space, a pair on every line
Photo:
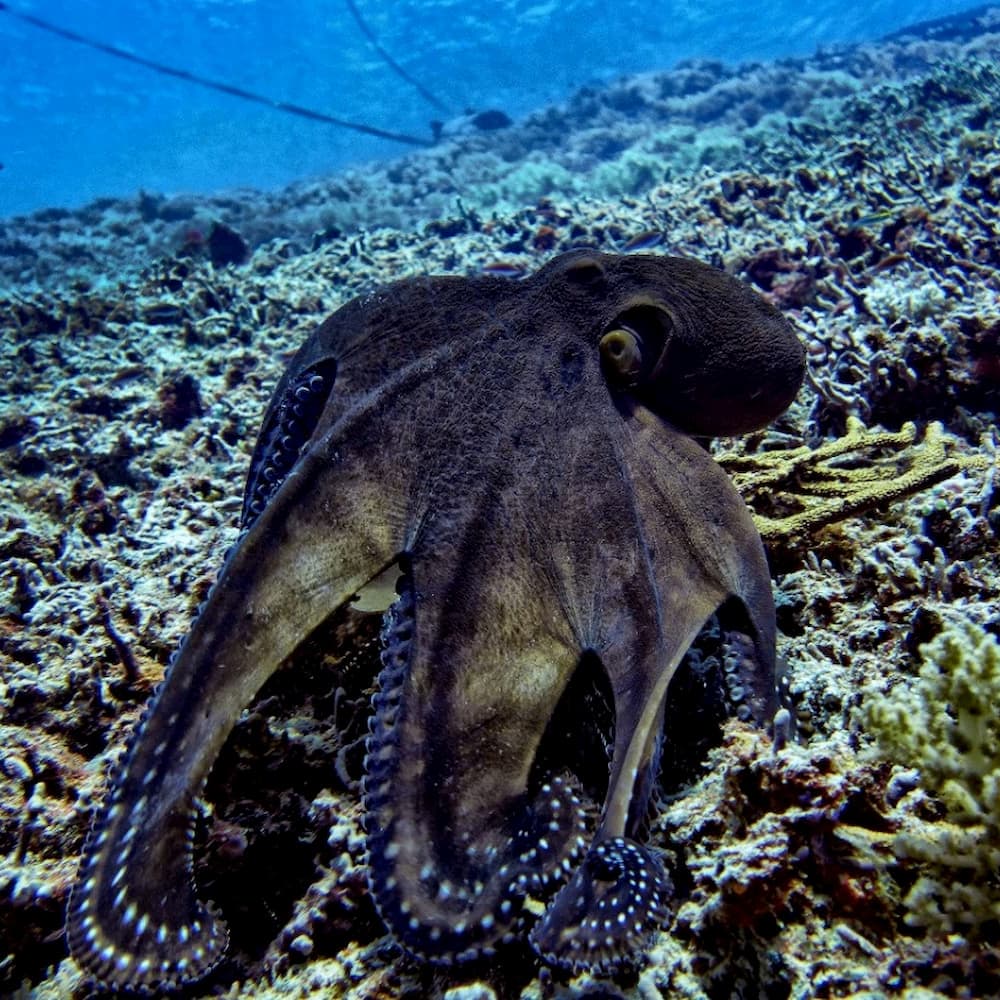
76, 124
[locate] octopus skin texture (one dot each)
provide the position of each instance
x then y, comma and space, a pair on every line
523, 457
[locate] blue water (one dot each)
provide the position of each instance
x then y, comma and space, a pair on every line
76, 124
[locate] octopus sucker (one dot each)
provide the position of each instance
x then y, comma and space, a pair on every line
609, 912
289, 423
525, 461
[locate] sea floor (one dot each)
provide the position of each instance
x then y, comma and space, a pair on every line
858, 190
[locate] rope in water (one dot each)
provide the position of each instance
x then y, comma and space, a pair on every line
225, 88
386, 58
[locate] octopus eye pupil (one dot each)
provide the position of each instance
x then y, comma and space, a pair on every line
621, 351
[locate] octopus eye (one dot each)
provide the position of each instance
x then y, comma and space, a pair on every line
635, 345
621, 356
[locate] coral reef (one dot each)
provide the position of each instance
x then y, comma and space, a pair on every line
945, 724
763, 842
814, 487
858, 191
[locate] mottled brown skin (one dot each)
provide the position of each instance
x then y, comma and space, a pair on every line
536, 479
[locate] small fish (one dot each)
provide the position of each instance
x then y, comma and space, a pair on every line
886, 262
869, 220
643, 241
504, 269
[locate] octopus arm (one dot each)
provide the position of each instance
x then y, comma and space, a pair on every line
475, 663
700, 548
704, 550
134, 920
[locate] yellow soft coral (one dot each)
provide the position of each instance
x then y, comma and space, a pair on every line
946, 725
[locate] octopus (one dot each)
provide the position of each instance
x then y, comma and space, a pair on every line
525, 463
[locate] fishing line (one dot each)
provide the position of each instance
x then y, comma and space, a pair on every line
225, 88
374, 42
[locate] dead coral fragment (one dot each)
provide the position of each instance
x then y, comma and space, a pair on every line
946, 725
795, 491
765, 846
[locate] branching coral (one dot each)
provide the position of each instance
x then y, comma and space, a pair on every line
945, 724
795, 491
